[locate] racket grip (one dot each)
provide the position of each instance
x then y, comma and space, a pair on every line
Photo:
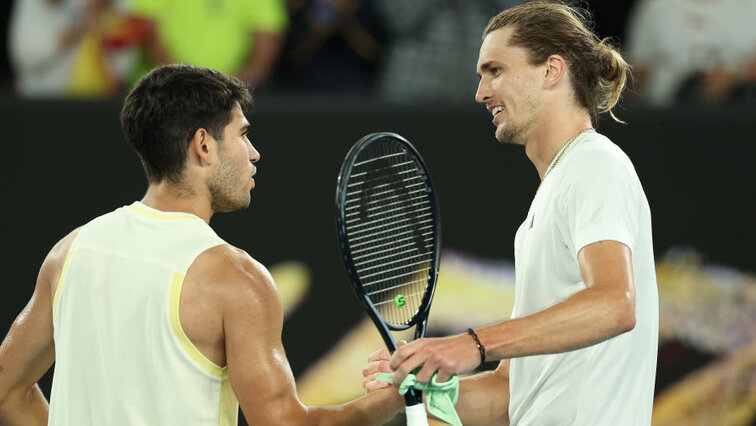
416, 415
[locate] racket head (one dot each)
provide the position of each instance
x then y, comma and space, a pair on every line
388, 223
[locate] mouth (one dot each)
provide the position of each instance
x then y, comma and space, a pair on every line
495, 111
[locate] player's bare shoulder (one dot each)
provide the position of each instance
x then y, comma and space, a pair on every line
235, 276
52, 267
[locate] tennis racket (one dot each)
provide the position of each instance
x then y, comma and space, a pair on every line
387, 220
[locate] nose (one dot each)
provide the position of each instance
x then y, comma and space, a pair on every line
254, 155
484, 91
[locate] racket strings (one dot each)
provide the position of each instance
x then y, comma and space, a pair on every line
391, 230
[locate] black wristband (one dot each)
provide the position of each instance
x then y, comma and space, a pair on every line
481, 348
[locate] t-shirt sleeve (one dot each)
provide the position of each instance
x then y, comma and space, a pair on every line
600, 199
267, 15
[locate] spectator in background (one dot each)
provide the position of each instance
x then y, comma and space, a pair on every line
73, 48
42, 39
237, 37
693, 50
333, 46
433, 44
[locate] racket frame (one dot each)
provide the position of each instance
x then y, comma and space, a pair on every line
420, 319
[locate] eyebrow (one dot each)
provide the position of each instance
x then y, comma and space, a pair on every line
487, 66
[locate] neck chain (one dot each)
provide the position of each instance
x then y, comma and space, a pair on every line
562, 150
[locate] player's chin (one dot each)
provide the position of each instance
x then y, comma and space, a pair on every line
500, 130
229, 205
505, 133
501, 135
245, 201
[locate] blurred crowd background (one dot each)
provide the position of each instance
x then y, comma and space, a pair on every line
419, 51
335, 65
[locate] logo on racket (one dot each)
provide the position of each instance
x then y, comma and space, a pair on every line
399, 301
383, 173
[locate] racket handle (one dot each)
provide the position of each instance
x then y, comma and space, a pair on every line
416, 415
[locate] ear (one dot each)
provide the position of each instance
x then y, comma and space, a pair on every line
555, 68
202, 148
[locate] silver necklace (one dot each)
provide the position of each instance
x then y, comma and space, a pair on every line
560, 153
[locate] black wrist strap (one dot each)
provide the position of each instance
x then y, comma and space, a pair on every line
481, 348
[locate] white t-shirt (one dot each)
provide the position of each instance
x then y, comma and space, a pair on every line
593, 194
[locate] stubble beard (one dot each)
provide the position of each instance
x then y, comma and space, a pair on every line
509, 134
513, 132
225, 193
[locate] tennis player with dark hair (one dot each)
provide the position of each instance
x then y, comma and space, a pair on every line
580, 347
150, 317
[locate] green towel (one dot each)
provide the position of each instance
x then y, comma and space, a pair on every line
440, 398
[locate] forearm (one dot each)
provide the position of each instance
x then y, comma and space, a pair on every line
586, 318
157, 53
484, 399
375, 408
261, 61
24, 408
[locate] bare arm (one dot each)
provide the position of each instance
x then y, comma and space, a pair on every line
266, 48
257, 365
28, 350
604, 309
157, 53
25, 355
483, 398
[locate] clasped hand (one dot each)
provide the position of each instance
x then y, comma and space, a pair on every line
446, 356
